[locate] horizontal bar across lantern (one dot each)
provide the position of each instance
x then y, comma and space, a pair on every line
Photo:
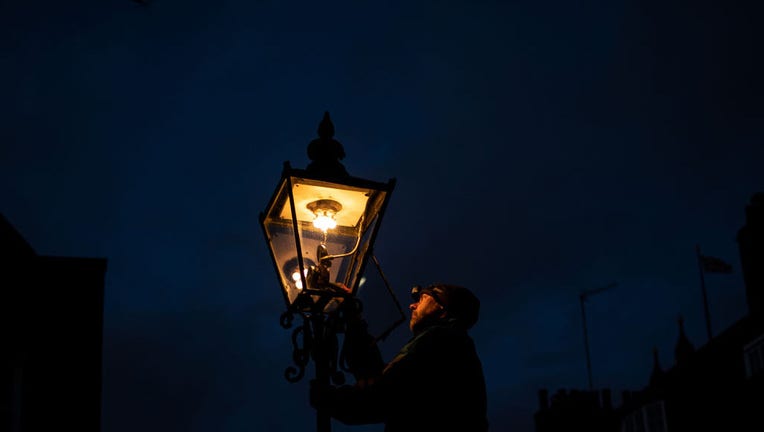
319, 232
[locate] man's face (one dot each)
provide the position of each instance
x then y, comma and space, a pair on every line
423, 311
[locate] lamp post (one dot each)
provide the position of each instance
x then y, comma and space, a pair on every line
320, 226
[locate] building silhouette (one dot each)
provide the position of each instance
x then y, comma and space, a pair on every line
718, 386
52, 325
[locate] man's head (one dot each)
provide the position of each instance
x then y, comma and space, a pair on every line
443, 302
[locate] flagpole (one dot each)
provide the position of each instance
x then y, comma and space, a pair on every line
703, 288
582, 297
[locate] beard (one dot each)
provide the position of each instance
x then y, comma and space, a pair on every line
421, 322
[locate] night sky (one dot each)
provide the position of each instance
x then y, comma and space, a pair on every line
540, 149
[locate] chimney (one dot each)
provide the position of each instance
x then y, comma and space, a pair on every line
750, 239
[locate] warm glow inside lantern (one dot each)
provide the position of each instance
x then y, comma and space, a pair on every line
320, 231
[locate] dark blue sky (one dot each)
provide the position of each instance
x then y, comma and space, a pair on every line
540, 149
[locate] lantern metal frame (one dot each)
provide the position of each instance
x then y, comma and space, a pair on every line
284, 197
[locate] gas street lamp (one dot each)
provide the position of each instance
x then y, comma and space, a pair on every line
320, 226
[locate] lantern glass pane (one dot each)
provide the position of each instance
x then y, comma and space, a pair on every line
283, 246
355, 222
355, 211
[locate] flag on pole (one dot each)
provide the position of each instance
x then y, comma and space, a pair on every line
715, 265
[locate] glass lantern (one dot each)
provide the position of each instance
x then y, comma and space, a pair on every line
320, 232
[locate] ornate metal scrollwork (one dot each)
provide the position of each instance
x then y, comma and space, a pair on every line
317, 337
300, 352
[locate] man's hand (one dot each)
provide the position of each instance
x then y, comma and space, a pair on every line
340, 287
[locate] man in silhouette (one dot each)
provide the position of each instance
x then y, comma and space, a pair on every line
435, 382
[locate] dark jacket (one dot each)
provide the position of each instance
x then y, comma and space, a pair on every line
435, 383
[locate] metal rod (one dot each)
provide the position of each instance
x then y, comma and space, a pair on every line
395, 299
703, 289
296, 229
582, 297
355, 248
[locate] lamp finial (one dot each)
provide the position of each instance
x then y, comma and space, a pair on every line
325, 152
